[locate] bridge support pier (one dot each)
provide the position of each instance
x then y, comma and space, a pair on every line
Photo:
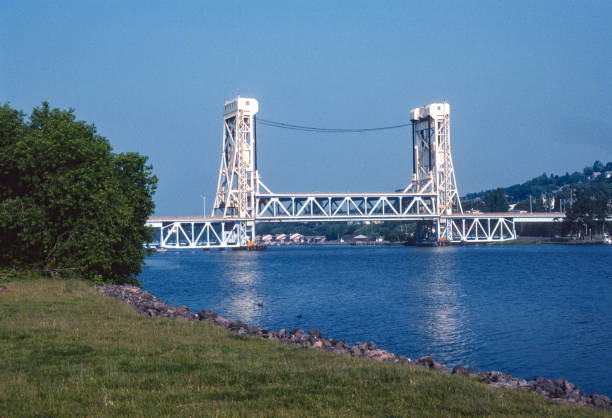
428, 232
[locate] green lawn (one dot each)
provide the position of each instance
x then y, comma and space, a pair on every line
66, 350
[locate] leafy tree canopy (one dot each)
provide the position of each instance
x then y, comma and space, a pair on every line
495, 201
67, 202
598, 166
591, 207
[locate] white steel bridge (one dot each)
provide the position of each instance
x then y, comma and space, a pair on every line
431, 197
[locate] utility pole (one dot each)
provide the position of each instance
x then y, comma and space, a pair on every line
204, 203
530, 208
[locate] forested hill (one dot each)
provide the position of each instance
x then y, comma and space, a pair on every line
546, 185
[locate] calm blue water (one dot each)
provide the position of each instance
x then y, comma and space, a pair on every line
533, 310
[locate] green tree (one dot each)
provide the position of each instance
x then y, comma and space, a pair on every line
476, 204
591, 208
495, 201
598, 166
67, 202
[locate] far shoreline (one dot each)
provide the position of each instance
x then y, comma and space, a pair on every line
525, 241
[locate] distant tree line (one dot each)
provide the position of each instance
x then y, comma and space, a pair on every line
68, 204
591, 205
548, 184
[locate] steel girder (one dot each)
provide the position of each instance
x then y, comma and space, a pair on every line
344, 207
226, 233
477, 229
200, 234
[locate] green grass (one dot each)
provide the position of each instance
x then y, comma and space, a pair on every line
66, 350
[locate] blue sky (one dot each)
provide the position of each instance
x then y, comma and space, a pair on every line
529, 84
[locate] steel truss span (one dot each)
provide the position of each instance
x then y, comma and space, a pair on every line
199, 233
242, 199
474, 230
345, 207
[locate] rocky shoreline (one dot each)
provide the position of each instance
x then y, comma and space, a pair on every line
558, 390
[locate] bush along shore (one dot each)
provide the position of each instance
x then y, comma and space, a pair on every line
558, 390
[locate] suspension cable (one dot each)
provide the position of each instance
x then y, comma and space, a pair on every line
282, 125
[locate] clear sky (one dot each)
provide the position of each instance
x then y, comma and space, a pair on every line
529, 84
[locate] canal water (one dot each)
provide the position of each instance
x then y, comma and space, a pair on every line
529, 310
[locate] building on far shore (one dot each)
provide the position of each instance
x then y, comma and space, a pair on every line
296, 238
352, 239
266, 239
314, 239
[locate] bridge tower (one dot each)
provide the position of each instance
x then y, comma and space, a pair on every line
238, 179
432, 162
431, 199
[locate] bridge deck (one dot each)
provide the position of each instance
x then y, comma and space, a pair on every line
219, 232
517, 217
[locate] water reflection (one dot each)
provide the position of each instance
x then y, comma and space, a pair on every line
445, 316
241, 280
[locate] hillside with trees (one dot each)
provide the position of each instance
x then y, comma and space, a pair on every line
545, 192
585, 197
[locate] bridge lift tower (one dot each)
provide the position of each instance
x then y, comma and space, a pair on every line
432, 165
432, 162
239, 181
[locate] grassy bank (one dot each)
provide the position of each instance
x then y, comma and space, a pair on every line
66, 350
